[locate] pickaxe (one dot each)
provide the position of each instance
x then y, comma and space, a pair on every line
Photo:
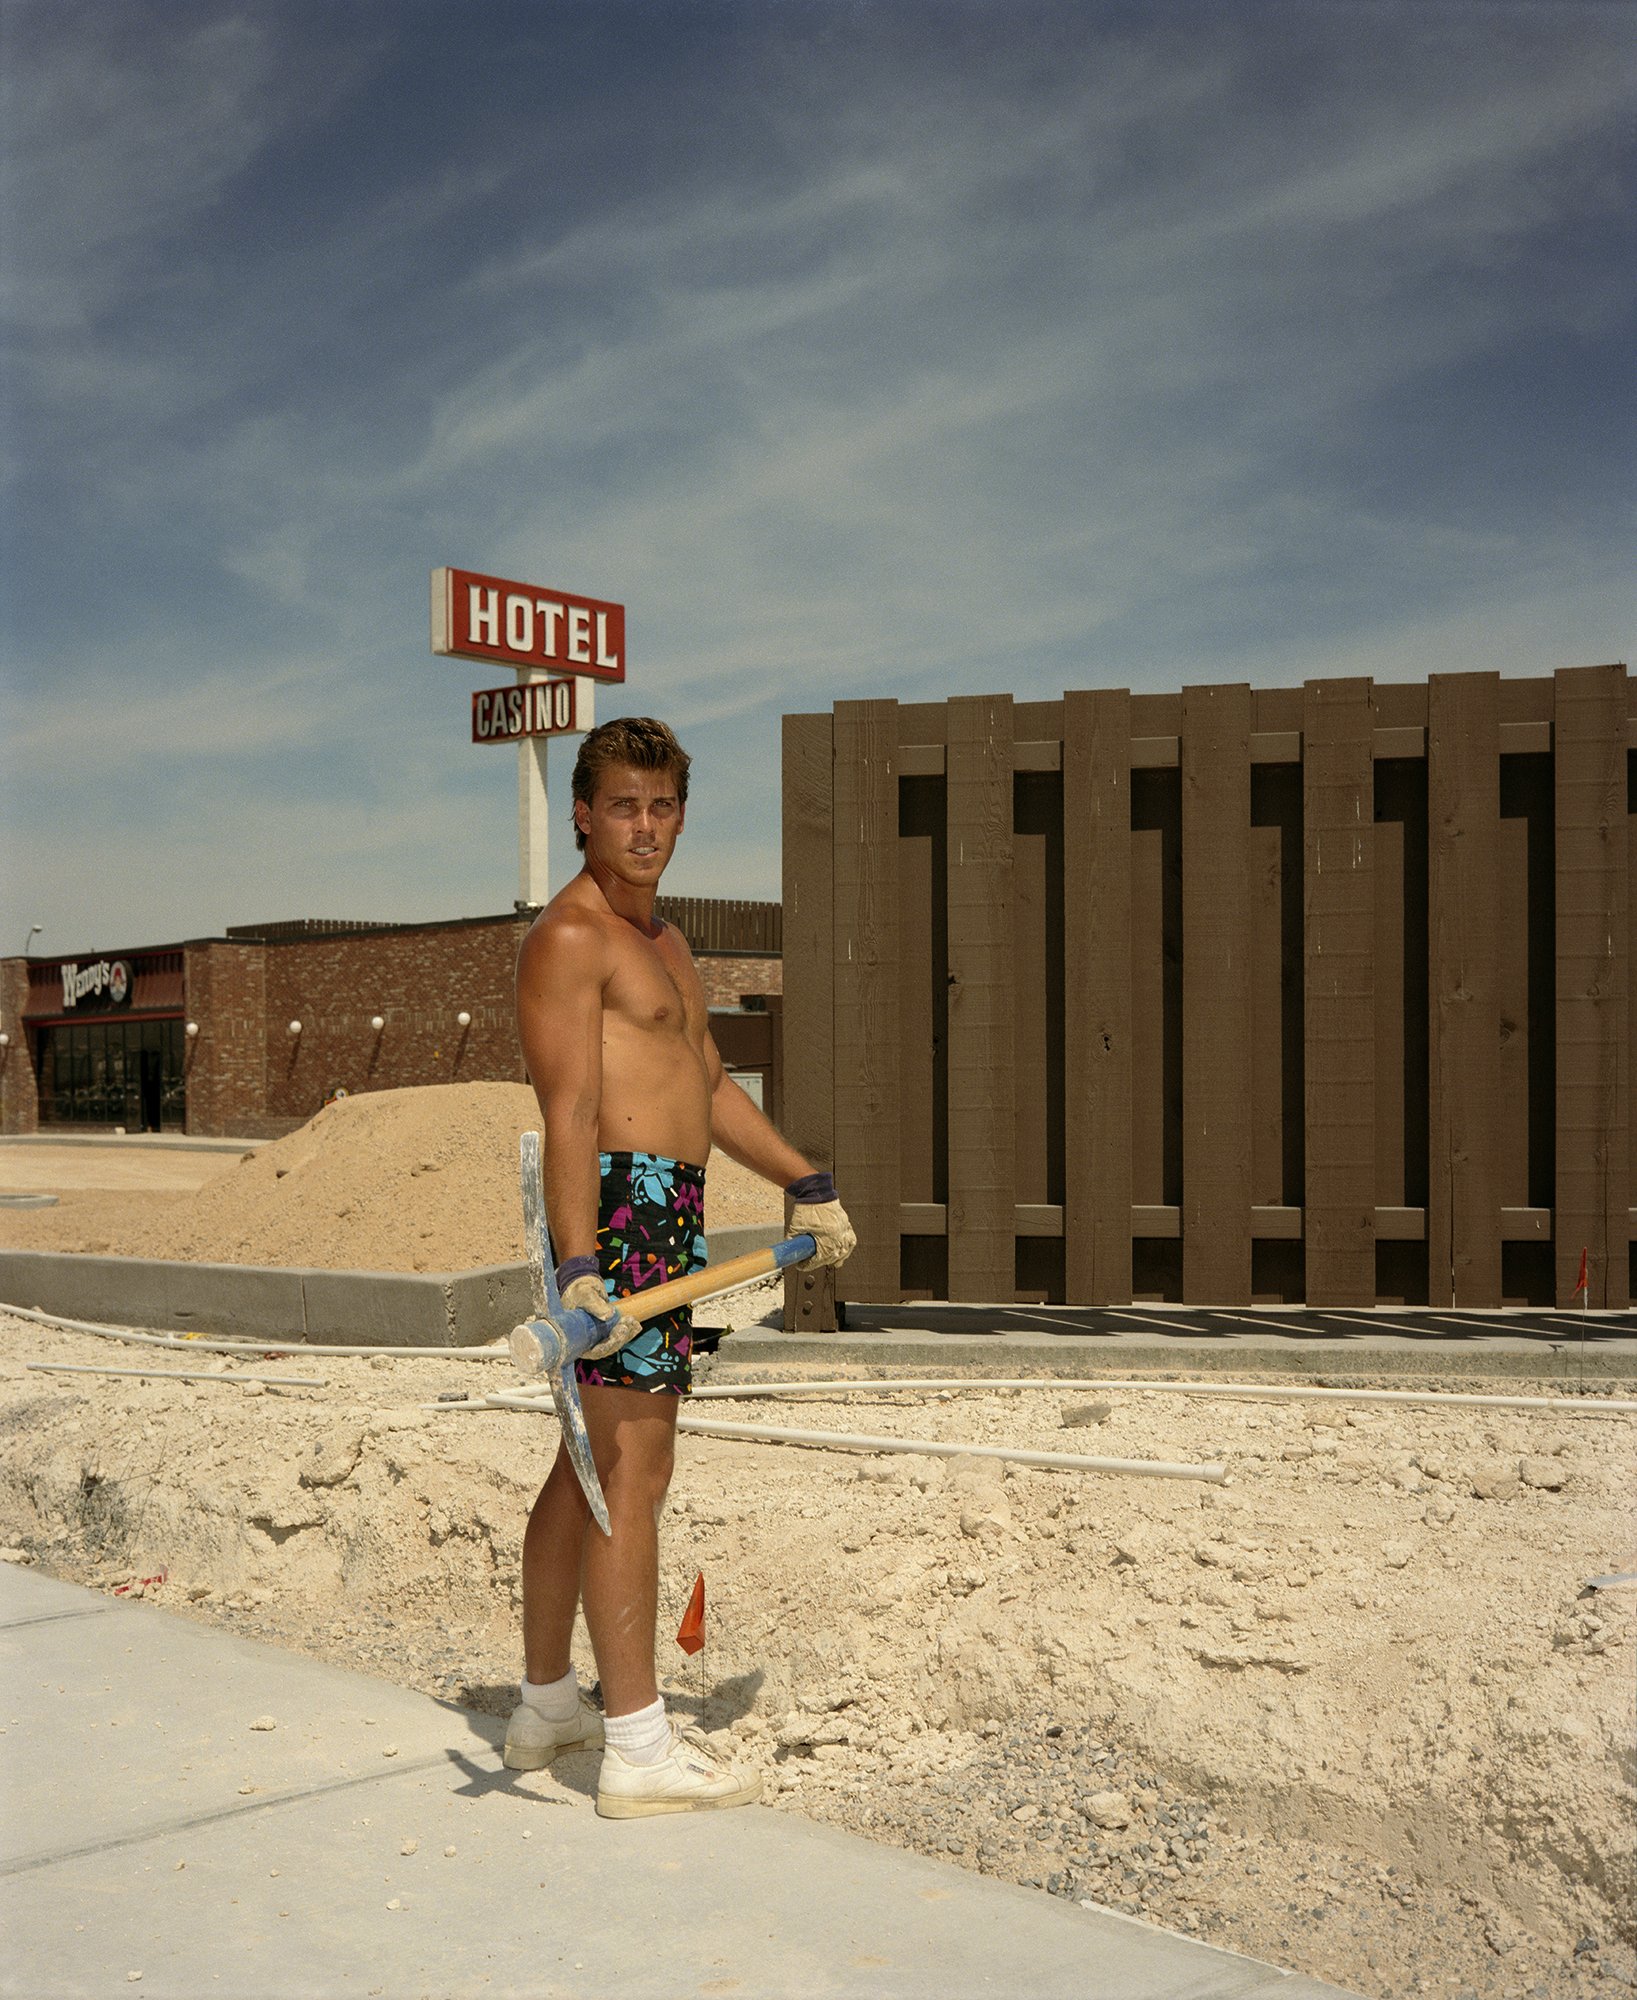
557, 1337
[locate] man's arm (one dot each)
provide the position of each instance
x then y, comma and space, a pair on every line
744, 1133
560, 978
750, 1137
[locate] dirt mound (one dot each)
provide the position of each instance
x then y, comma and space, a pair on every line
389, 1180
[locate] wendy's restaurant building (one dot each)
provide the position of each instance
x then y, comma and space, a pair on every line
247, 1035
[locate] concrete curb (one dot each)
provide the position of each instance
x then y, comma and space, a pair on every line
137, 1142
322, 1308
1610, 1363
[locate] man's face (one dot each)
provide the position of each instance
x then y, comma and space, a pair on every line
632, 822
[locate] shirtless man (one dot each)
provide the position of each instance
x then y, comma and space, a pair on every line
633, 1095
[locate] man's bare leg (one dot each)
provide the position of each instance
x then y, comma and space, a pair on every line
633, 1444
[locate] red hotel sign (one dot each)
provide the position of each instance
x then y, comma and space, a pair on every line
534, 708
476, 617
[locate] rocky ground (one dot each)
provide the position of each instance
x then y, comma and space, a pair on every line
1355, 1710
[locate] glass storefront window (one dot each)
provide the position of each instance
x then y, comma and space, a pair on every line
112, 1073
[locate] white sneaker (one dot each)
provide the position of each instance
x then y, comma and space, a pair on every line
686, 1779
532, 1740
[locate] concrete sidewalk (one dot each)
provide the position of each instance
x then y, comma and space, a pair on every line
149, 1829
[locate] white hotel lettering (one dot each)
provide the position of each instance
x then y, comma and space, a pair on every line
532, 626
486, 615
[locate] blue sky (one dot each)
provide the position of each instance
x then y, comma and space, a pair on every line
856, 348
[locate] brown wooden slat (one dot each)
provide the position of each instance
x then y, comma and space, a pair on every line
809, 983
1401, 705
1034, 1004
921, 973
1339, 1010
1216, 1014
867, 1029
1263, 858
982, 1138
1512, 999
1593, 938
1463, 824
1389, 1012
1097, 982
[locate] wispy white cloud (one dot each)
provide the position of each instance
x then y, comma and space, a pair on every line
946, 362
120, 142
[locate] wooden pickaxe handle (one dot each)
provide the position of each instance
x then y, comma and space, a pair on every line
727, 1276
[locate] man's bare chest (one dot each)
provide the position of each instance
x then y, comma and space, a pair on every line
654, 991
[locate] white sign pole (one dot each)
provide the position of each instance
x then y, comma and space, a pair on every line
533, 824
533, 820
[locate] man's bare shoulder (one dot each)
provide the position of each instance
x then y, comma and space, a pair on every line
572, 928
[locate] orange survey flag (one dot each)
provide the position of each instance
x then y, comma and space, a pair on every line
690, 1634
1580, 1282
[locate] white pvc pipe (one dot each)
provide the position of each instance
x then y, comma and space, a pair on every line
1052, 1461
1585, 1406
176, 1374
1273, 1392
247, 1344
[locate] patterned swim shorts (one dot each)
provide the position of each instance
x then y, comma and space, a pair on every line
650, 1228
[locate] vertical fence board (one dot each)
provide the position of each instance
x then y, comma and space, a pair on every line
982, 1131
809, 998
1389, 1012
1263, 866
1512, 1000
1032, 1003
1097, 986
1339, 1015
1592, 1182
1463, 827
1216, 1024
1146, 921
865, 946
921, 974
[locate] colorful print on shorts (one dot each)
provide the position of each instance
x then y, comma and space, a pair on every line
650, 1229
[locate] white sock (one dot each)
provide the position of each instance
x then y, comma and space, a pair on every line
557, 1701
642, 1738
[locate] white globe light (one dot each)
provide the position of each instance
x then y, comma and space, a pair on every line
295, 1027
377, 1022
191, 1030
463, 1019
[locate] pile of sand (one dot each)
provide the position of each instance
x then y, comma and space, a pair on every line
391, 1180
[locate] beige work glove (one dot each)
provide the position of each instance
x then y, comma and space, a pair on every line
826, 1222
587, 1295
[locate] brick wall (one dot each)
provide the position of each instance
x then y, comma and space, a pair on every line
247, 1076
19, 1101
225, 1065
417, 980
725, 980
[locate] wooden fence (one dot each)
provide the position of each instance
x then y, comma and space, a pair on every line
725, 924
1234, 995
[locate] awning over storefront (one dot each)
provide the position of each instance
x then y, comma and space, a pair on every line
104, 989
